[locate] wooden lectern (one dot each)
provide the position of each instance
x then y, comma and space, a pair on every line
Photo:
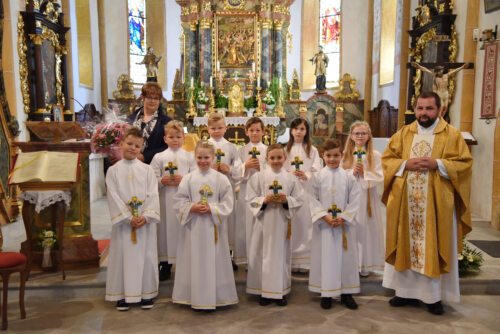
74, 231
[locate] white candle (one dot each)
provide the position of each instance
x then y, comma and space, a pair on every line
258, 82
192, 82
253, 66
218, 65
211, 81
280, 83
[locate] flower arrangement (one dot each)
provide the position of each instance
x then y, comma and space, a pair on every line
47, 239
470, 260
268, 98
201, 97
106, 135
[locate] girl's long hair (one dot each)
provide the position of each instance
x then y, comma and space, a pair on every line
307, 139
348, 157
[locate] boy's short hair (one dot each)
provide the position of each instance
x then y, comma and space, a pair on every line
275, 146
204, 144
134, 132
174, 126
252, 121
215, 117
332, 144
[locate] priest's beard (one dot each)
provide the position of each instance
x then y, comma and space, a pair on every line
425, 121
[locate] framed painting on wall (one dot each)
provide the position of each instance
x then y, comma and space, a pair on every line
491, 5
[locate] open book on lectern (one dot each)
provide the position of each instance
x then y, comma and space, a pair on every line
45, 166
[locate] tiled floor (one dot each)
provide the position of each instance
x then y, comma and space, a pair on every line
77, 305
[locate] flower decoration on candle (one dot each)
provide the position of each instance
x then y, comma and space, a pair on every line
134, 204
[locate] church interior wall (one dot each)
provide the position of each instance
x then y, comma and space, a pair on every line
482, 171
172, 53
10, 63
81, 93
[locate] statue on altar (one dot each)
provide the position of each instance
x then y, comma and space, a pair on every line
151, 61
236, 99
440, 83
320, 60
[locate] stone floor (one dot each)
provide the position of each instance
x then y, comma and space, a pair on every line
77, 305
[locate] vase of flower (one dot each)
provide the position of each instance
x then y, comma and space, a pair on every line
47, 240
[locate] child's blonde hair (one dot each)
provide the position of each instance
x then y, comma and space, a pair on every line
133, 132
204, 144
275, 146
215, 117
174, 126
350, 146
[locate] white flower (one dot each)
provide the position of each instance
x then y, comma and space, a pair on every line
460, 257
470, 258
49, 234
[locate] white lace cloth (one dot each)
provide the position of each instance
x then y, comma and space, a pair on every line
45, 198
236, 121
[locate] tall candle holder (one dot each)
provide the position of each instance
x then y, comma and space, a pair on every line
259, 112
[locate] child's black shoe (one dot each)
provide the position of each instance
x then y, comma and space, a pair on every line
326, 303
122, 305
147, 304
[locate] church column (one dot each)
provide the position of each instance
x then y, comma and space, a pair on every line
193, 34
206, 42
266, 53
278, 49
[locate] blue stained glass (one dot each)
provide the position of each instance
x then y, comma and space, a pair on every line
137, 35
329, 37
137, 39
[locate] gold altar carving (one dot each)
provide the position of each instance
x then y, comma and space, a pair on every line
348, 91
49, 43
417, 53
125, 88
236, 40
234, 4
23, 64
236, 99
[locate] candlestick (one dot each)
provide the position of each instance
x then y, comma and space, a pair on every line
192, 82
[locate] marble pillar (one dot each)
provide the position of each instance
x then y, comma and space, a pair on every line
206, 55
278, 51
266, 54
193, 51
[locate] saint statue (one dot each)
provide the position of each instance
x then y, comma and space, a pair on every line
440, 83
151, 61
320, 60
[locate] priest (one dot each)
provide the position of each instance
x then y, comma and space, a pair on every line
427, 169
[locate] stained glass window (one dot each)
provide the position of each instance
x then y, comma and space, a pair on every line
137, 39
329, 37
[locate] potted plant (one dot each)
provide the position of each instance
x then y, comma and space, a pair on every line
250, 103
221, 103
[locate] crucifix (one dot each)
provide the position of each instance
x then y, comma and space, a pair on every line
359, 155
134, 205
297, 162
275, 187
254, 152
237, 140
171, 167
218, 155
205, 192
333, 210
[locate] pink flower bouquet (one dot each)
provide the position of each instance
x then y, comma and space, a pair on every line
107, 136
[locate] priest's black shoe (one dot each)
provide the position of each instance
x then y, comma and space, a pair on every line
165, 271
281, 302
122, 305
265, 301
436, 308
399, 301
348, 301
326, 303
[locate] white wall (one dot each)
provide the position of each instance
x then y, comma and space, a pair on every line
116, 39
389, 92
10, 64
482, 171
172, 54
80, 93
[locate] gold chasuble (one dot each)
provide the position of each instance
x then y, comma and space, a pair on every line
420, 204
